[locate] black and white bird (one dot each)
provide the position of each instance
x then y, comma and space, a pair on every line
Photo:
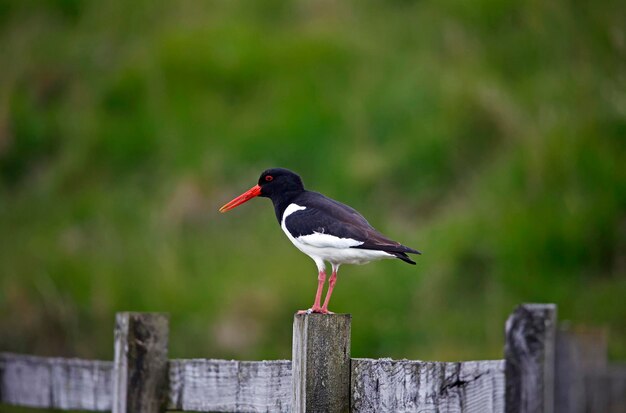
324, 229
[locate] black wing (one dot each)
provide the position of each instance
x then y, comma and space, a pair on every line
324, 215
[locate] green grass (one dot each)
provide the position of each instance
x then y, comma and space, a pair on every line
489, 135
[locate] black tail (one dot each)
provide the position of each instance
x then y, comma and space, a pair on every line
397, 250
403, 257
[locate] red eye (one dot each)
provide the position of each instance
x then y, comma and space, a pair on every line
268, 178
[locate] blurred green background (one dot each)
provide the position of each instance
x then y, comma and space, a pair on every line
491, 135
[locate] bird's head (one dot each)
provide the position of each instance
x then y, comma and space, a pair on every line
272, 183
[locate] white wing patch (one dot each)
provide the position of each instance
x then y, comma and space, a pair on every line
321, 240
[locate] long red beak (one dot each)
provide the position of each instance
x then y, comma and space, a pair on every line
245, 197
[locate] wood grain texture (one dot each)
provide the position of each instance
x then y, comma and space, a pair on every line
529, 359
230, 386
321, 363
387, 385
140, 365
60, 383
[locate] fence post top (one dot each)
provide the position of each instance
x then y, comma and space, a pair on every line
320, 316
142, 314
537, 306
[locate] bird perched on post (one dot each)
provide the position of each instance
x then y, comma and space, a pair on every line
324, 229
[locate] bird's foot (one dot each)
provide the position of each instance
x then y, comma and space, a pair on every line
318, 310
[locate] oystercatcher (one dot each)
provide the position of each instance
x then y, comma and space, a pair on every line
322, 228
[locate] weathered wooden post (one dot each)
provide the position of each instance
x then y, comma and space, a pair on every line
321, 363
529, 359
140, 365
579, 351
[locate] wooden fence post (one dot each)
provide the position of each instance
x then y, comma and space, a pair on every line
529, 359
321, 363
140, 365
579, 351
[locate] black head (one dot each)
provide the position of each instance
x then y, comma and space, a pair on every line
279, 181
278, 184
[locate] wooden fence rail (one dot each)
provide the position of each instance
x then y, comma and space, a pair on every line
540, 368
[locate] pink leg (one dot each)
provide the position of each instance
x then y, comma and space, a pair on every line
331, 284
321, 278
